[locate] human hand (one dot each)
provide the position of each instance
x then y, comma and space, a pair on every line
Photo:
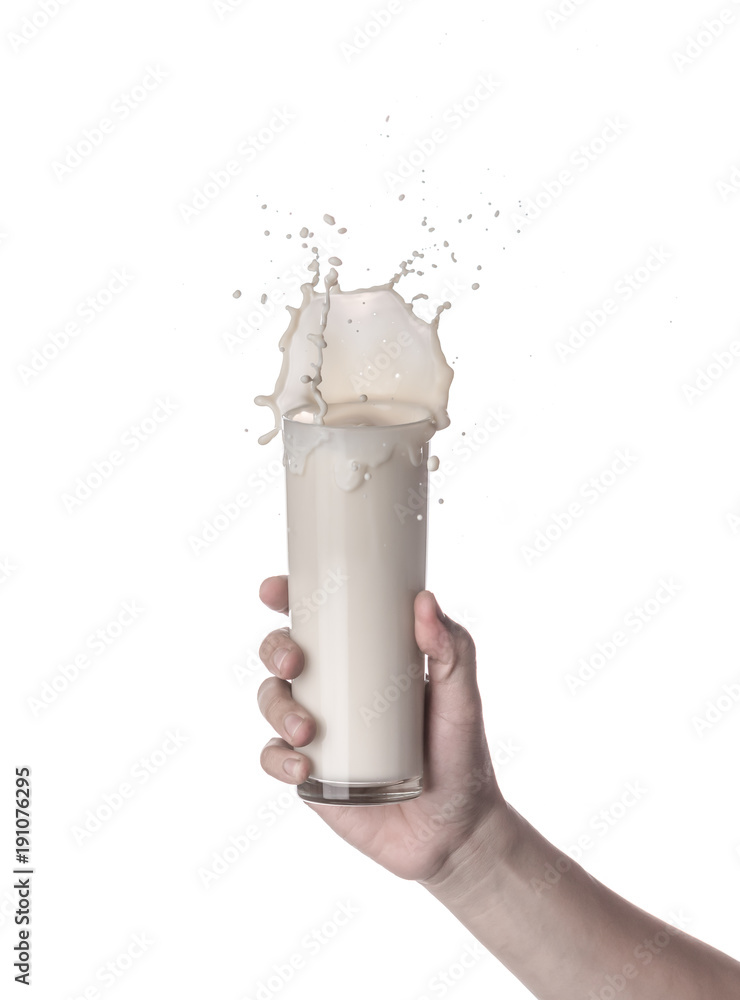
420, 838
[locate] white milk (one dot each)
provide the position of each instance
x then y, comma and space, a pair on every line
362, 389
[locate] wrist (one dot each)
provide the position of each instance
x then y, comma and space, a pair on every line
471, 872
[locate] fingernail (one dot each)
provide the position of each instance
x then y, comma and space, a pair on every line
292, 724
290, 766
278, 656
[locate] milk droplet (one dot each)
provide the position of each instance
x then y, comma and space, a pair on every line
267, 232
419, 517
432, 463
441, 501
303, 233
368, 476
330, 220
401, 197
263, 298
476, 286
335, 261
264, 206
341, 231
237, 294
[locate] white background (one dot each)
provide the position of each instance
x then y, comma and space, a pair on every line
187, 662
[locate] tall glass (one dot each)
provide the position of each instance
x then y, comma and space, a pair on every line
357, 532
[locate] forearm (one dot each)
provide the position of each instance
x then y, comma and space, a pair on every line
565, 935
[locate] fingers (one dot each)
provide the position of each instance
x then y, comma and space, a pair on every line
274, 593
281, 655
281, 761
449, 647
296, 727
287, 718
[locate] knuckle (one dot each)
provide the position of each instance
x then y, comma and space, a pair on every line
271, 641
268, 695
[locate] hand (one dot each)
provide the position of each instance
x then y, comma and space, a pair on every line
420, 838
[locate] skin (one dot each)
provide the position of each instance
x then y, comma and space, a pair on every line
560, 932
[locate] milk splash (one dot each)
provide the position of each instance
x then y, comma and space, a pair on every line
359, 358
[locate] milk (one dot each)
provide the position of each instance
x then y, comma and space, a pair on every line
362, 389
357, 559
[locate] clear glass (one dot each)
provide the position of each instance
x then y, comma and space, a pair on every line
357, 536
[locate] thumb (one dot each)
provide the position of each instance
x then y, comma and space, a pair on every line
449, 647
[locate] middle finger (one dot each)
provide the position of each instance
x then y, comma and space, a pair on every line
286, 717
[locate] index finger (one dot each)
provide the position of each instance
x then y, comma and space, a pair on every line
274, 593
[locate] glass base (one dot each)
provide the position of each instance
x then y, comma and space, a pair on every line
359, 793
